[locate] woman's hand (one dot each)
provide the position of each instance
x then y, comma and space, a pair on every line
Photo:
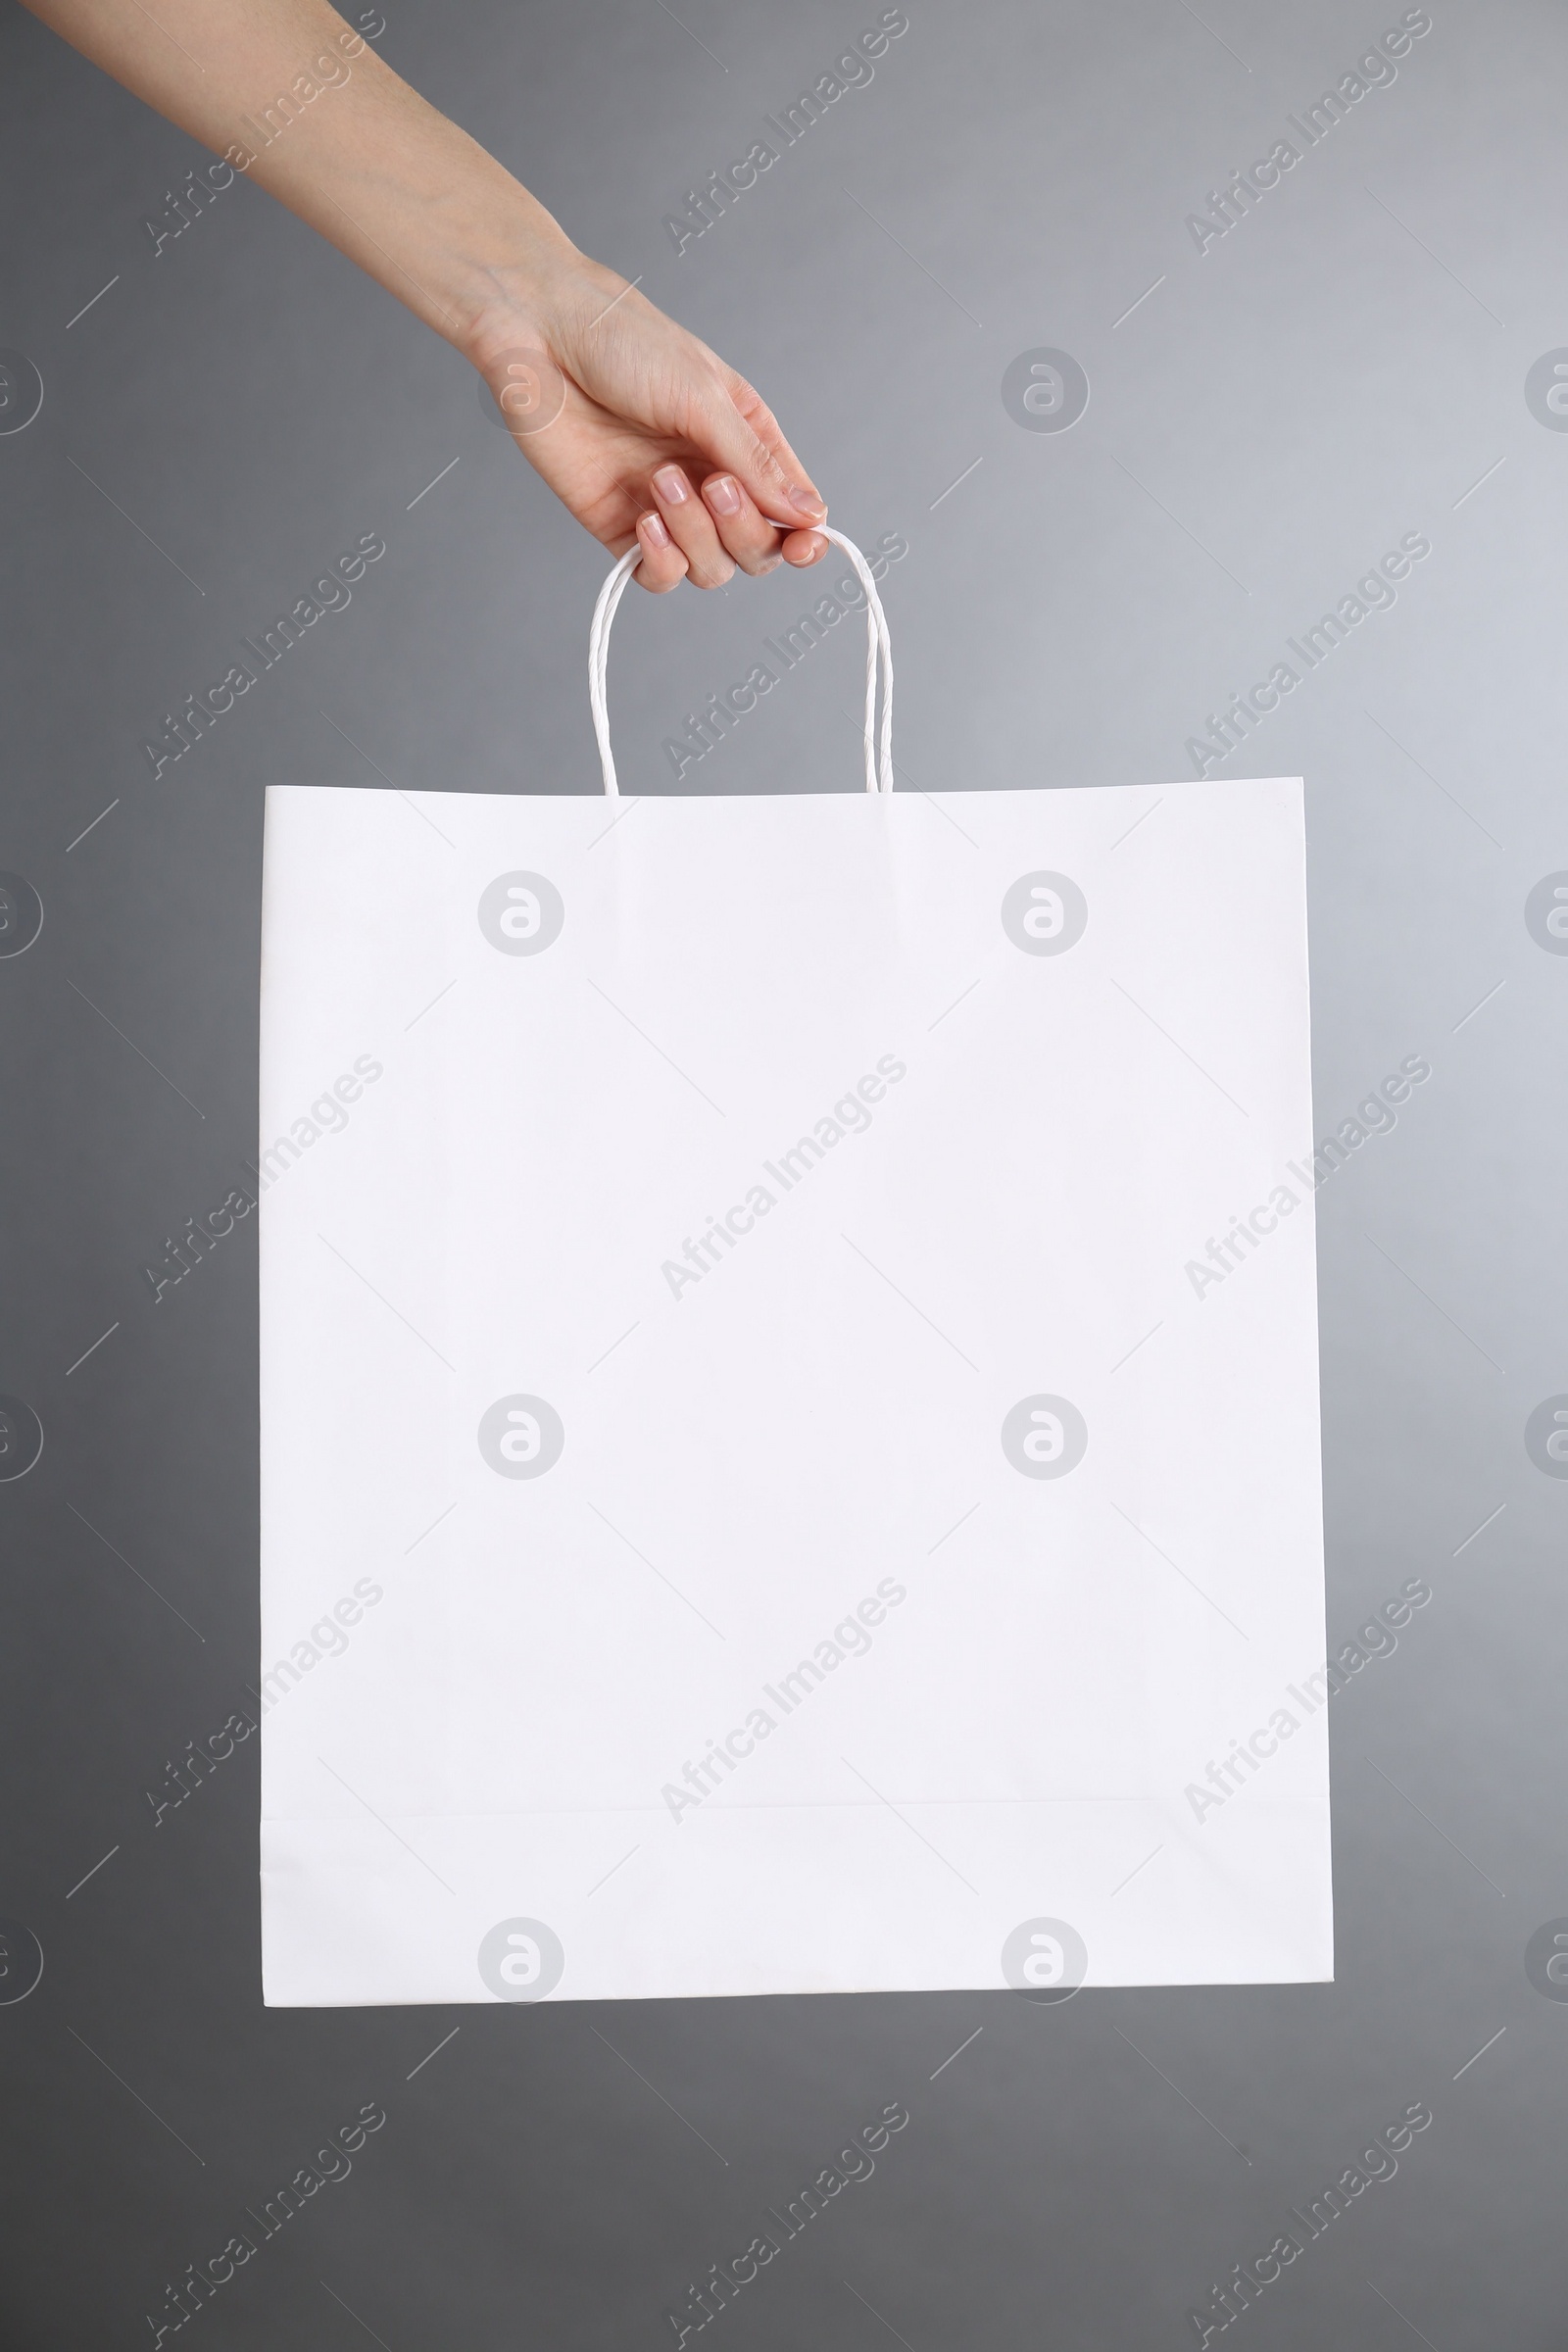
639, 428
642, 433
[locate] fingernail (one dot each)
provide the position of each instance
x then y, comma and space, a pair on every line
652, 528
671, 485
806, 501
722, 495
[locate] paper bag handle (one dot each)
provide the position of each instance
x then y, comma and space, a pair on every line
879, 754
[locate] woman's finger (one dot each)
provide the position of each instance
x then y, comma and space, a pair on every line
692, 527
748, 535
662, 566
719, 414
763, 460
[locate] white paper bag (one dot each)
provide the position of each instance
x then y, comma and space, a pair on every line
789, 1395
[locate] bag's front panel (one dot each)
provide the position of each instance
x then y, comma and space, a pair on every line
748, 1336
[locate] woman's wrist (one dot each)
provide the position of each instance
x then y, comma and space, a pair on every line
521, 281
500, 265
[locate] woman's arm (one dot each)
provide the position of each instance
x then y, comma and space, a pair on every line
640, 429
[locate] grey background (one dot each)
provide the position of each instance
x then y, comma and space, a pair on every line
1274, 416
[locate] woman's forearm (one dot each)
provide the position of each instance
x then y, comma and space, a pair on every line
294, 97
